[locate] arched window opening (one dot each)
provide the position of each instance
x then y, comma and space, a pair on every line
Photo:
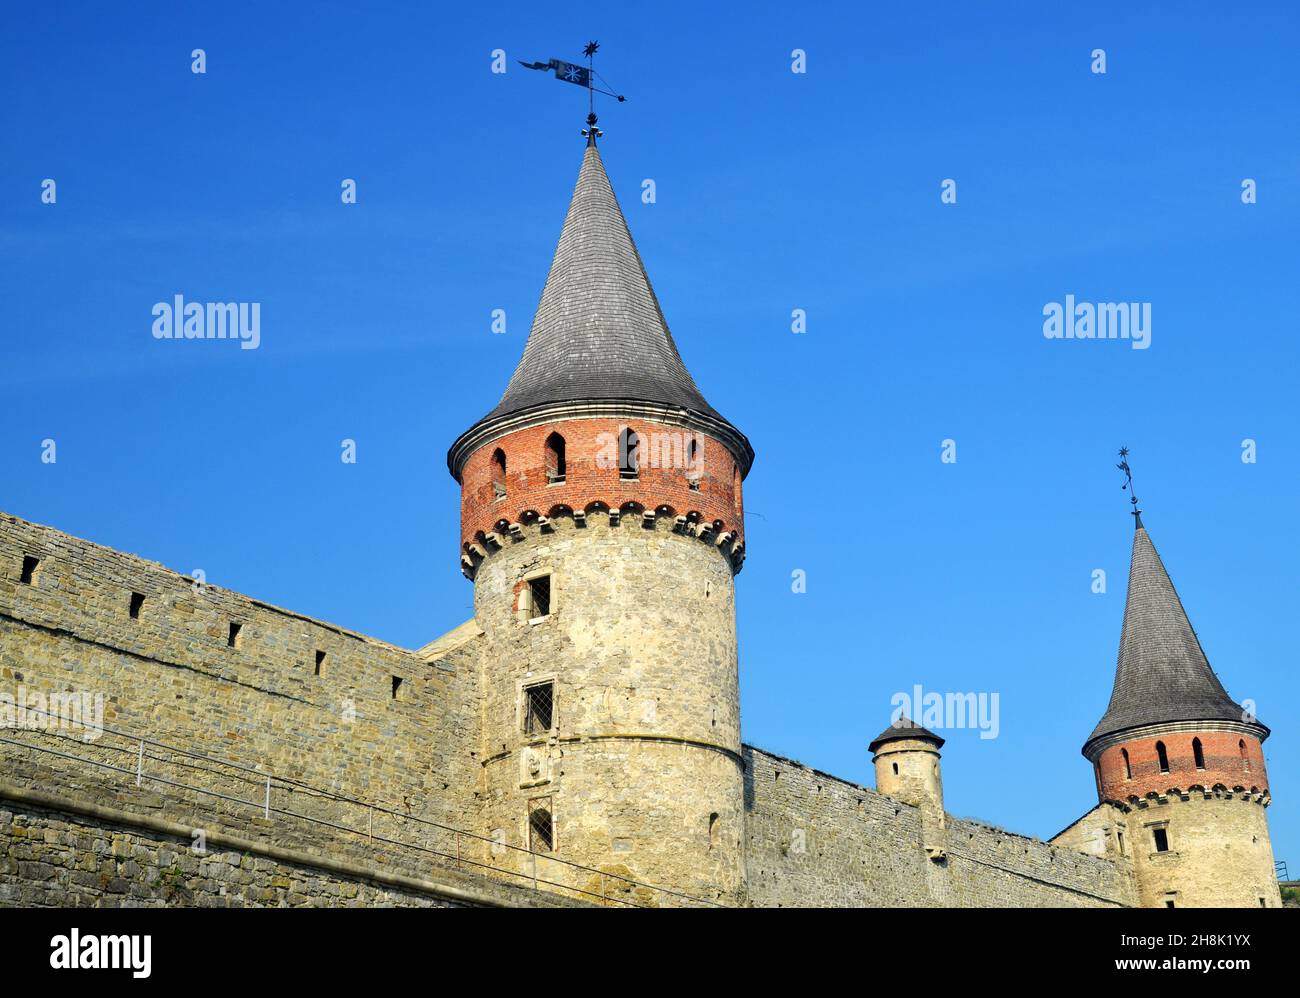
1163, 756
499, 473
1128, 766
555, 464
629, 461
1199, 753
714, 828
1245, 759
694, 464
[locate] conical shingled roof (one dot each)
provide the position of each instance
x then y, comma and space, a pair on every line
1163, 674
904, 727
599, 334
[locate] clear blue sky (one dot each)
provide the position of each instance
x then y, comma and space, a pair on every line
775, 191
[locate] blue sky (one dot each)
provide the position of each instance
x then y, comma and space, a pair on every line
775, 191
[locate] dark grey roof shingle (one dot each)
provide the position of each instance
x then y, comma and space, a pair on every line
598, 333
904, 727
1162, 674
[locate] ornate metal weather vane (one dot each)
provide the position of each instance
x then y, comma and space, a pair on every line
1128, 485
583, 76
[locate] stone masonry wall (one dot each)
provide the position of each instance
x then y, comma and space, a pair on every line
52, 858
640, 767
172, 674
1218, 854
161, 651
991, 867
813, 839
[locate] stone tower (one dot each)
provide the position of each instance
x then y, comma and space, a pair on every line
906, 757
602, 525
1181, 759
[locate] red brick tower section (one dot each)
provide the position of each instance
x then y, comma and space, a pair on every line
665, 474
1195, 755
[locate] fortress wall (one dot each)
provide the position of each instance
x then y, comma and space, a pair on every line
171, 675
991, 867
812, 839
57, 858
816, 839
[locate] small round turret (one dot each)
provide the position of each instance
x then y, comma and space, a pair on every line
906, 757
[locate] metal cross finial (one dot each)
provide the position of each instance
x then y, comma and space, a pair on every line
1128, 486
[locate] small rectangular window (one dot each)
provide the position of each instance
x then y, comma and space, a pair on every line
539, 708
397, 685
629, 462
541, 825
137, 601
320, 660
232, 639
1161, 837
539, 593
29, 569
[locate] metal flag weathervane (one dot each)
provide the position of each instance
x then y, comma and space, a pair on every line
583, 76
1128, 485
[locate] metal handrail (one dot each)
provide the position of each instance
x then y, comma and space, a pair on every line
269, 780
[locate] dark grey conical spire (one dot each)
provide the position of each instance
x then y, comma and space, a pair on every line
599, 333
1163, 674
599, 338
904, 728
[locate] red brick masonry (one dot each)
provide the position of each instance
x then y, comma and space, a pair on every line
586, 484
1223, 764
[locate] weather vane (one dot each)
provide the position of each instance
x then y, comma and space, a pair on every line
583, 76
1128, 485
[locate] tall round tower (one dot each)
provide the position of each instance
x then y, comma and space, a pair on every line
602, 525
1181, 758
